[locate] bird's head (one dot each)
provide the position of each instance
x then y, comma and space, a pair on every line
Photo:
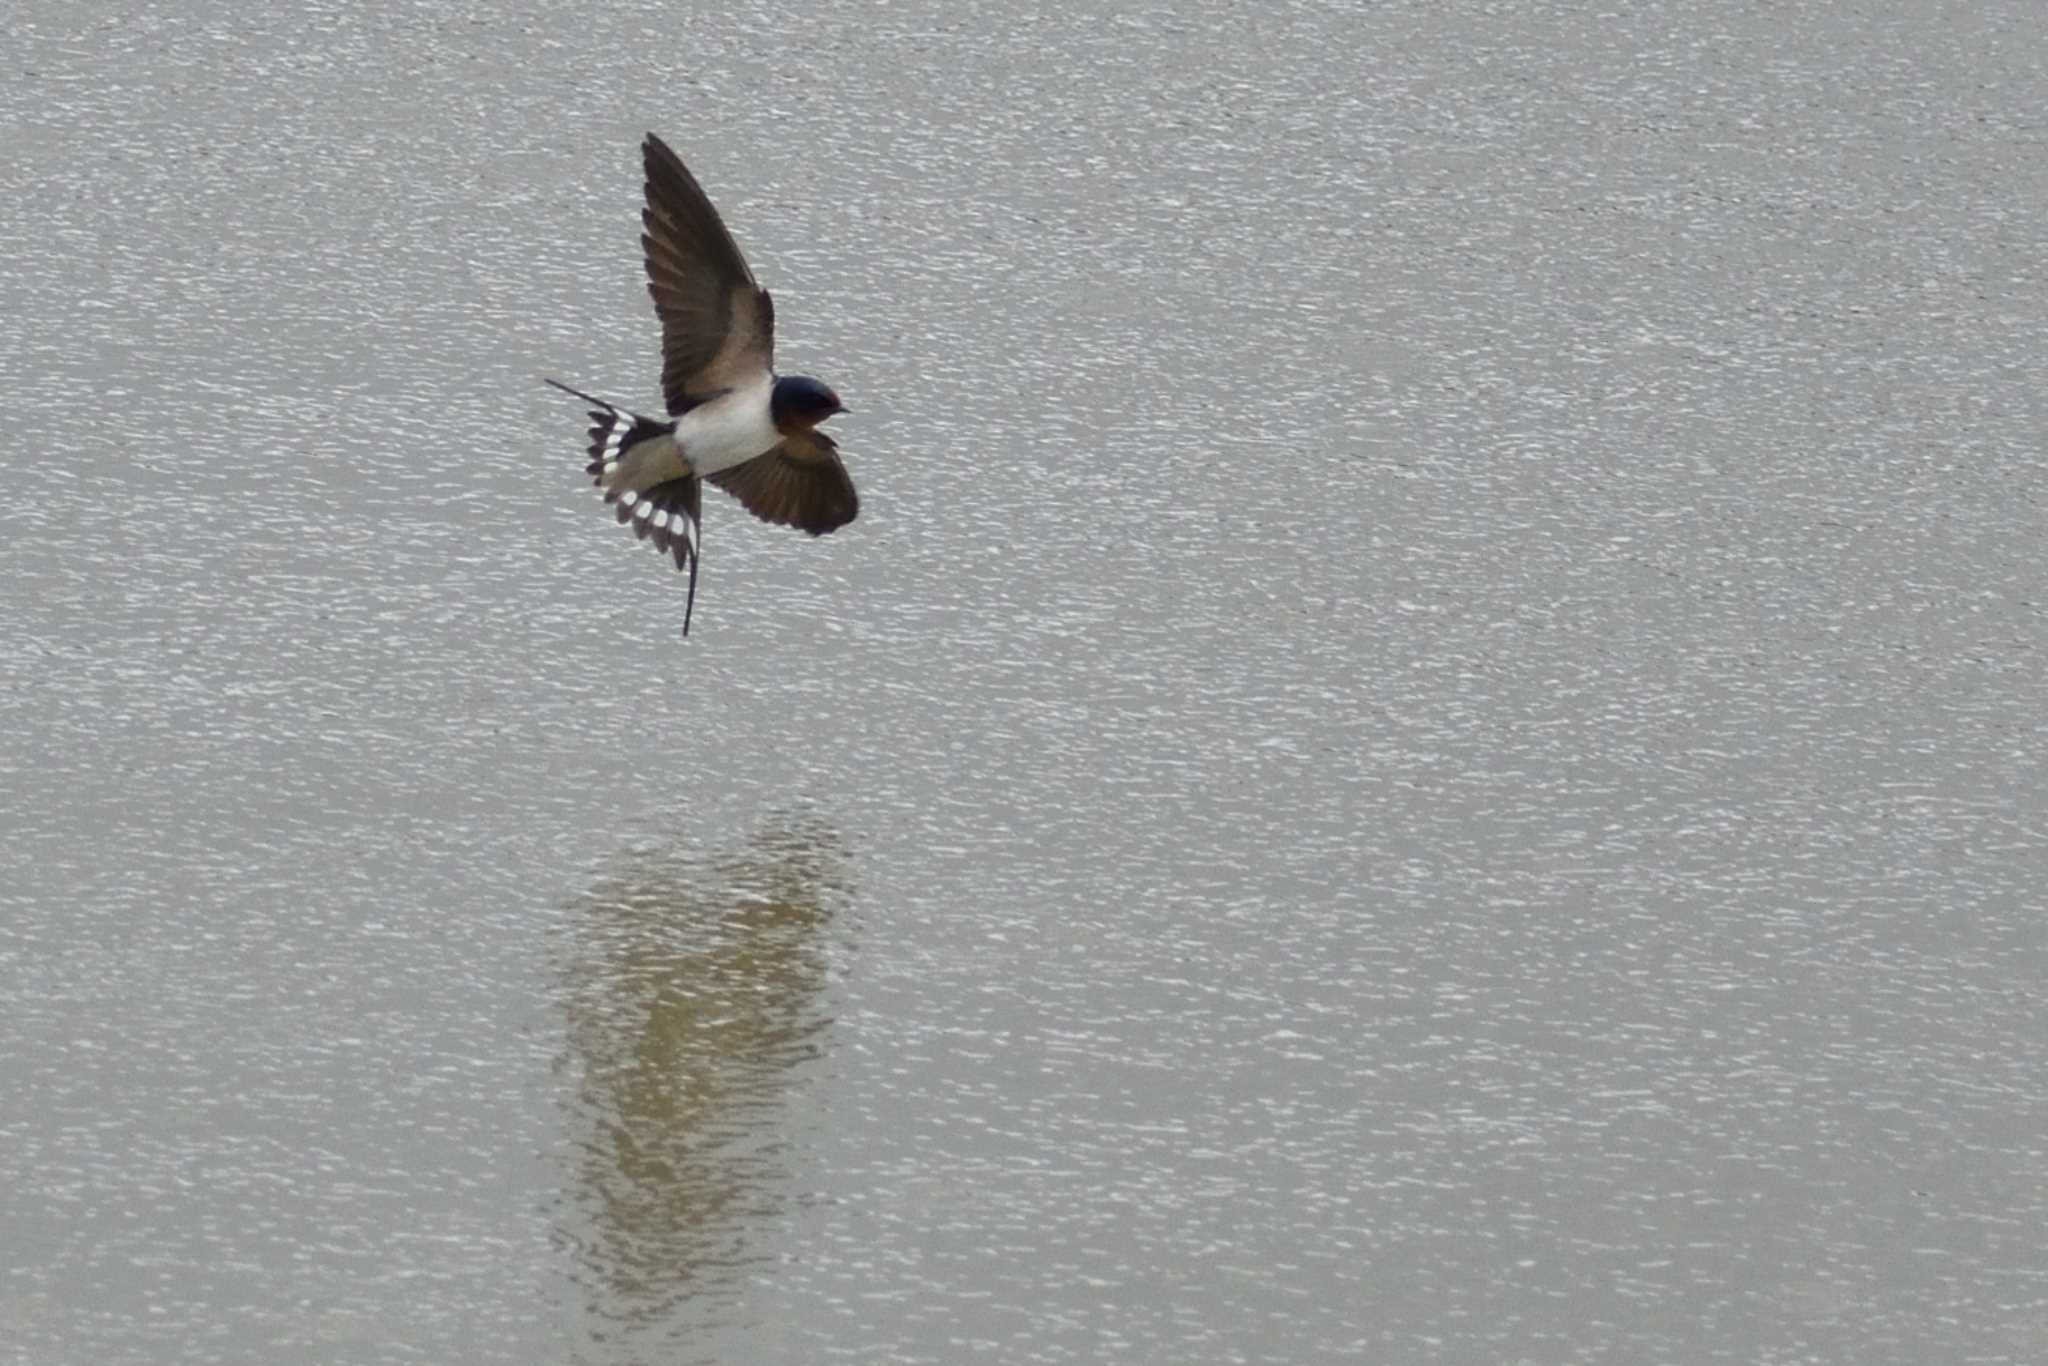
801, 402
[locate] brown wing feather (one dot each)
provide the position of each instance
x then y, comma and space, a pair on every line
800, 483
717, 324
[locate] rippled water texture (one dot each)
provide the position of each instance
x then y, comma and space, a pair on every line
1428, 747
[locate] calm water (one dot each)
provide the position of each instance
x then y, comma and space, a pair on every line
1429, 746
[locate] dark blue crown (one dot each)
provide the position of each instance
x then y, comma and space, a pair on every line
803, 397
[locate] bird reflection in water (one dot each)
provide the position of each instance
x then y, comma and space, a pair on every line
695, 991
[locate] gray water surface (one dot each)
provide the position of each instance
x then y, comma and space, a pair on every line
1428, 747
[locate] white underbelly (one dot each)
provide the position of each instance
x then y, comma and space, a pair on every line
728, 431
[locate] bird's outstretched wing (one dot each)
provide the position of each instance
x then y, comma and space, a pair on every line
799, 483
717, 324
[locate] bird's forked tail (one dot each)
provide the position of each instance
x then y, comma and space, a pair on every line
668, 513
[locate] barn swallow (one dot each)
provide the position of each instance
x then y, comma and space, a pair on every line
732, 419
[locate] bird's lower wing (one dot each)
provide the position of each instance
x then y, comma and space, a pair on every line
799, 483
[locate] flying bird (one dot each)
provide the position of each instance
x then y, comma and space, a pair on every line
732, 419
